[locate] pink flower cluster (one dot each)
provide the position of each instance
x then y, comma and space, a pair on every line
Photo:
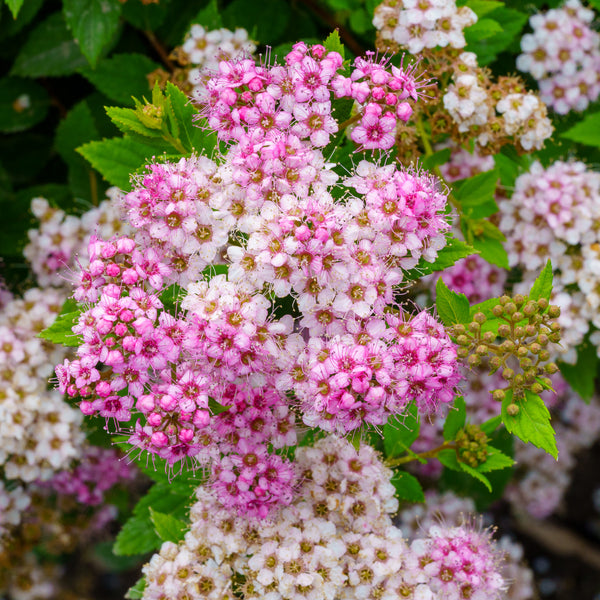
97, 471
262, 104
341, 383
216, 377
380, 98
563, 54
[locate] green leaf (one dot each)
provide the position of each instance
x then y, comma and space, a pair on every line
10, 27
138, 535
482, 29
117, 158
94, 23
216, 408
400, 432
168, 528
449, 460
456, 418
136, 592
491, 425
209, 16
483, 7
49, 51
361, 21
182, 115
452, 252
436, 159
542, 287
121, 76
531, 423
477, 475
586, 131
61, 331
23, 104
476, 190
333, 43
492, 251
582, 375
127, 121
495, 461
15, 6
452, 308
407, 487
511, 23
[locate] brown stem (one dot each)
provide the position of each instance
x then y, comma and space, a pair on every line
160, 50
346, 36
429, 454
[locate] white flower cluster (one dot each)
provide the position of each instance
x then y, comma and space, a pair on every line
13, 502
563, 54
554, 214
335, 542
419, 24
39, 432
472, 106
53, 247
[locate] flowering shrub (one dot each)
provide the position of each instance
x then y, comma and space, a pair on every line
311, 302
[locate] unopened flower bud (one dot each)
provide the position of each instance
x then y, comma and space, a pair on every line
510, 308
512, 410
504, 330
474, 327
543, 303
530, 308
507, 346
551, 368
519, 300
463, 340
488, 337
498, 395
462, 352
458, 329
542, 340
503, 300
537, 388
479, 318
495, 362
518, 316
554, 311
474, 360
519, 331
508, 374
544, 355
498, 310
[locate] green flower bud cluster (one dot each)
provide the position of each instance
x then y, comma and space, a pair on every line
519, 346
471, 445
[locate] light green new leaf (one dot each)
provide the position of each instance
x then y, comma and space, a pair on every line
586, 131
531, 423
542, 286
456, 419
407, 487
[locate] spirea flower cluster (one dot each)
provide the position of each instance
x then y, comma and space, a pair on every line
553, 215
223, 376
491, 111
563, 54
419, 24
335, 541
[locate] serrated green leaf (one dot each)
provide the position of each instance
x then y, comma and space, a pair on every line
10, 27
451, 253
117, 158
49, 51
127, 122
542, 287
136, 592
495, 461
449, 460
168, 528
138, 535
492, 251
209, 17
61, 331
182, 115
477, 475
407, 487
400, 432
582, 375
121, 76
452, 308
93, 23
491, 425
23, 104
477, 190
586, 131
333, 43
14, 6
456, 419
531, 423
